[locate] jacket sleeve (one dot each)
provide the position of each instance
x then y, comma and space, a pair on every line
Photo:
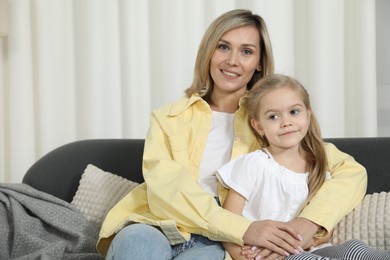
339, 195
174, 194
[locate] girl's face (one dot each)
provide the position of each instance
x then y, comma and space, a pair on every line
234, 61
283, 118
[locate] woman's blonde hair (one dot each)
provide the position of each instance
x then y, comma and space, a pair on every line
202, 82
312, 145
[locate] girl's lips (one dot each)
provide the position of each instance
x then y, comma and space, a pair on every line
288, 133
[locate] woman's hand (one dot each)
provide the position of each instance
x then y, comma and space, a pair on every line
318, 241
273, 236
306, 229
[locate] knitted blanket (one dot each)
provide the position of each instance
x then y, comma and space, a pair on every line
36, 225
369, 222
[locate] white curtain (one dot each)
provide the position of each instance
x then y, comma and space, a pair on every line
80, 69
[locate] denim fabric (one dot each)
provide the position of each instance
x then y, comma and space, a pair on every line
141, 241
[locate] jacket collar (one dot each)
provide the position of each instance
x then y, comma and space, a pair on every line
180, 106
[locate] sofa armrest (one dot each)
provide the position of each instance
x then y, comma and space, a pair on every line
59, 172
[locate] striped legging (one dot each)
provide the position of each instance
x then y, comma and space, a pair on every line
350, 250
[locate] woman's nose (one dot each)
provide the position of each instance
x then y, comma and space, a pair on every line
232, 59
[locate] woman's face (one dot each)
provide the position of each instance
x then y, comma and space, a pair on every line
235, 59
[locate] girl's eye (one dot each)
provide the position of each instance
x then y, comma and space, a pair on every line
273, 117
223, 47
247, 52
294, 112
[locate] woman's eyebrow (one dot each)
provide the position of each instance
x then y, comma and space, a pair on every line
245, 44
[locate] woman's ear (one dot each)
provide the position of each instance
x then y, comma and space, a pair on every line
258, 68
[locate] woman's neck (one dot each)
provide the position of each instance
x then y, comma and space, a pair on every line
225, 108
225, 103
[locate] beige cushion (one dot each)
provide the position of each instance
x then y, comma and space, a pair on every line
369, 222
99, 191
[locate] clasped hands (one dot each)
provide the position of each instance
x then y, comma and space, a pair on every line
267, 239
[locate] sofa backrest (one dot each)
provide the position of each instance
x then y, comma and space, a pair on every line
374, 154
59, 172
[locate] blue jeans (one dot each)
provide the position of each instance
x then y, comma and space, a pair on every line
141, 241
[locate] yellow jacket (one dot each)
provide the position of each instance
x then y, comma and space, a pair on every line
171, 198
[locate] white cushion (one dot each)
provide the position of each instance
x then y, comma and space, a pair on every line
99, 191
369, 222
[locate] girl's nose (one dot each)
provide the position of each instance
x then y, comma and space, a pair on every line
286, 122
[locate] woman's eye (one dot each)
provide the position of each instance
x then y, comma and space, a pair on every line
247, 52
223, 47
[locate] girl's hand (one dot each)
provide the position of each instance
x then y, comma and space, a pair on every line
252, 252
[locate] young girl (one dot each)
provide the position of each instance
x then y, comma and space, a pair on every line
277, 181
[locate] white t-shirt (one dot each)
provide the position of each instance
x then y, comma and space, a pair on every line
271, 190
217, 152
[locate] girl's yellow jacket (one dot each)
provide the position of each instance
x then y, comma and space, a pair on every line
171, 198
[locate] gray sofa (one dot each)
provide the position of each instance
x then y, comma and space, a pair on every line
59, 173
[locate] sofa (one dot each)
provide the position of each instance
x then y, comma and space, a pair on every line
113, 162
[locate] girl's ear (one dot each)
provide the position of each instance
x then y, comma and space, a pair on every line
256, 125
258, 68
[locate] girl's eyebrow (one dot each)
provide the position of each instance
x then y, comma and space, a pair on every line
269, 111
273, 110
245, 44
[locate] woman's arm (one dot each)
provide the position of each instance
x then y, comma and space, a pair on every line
335, 199
172, 190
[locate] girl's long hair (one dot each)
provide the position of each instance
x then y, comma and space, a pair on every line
312, 145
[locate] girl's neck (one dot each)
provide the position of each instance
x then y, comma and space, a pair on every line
292, 158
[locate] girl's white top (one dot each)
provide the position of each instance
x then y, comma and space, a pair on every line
271, 190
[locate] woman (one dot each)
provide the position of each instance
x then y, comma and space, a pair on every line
176, 210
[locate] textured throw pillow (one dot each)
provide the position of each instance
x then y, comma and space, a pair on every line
368, 222
99, 191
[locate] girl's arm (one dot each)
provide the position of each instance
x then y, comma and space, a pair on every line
235, 203
237, 178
